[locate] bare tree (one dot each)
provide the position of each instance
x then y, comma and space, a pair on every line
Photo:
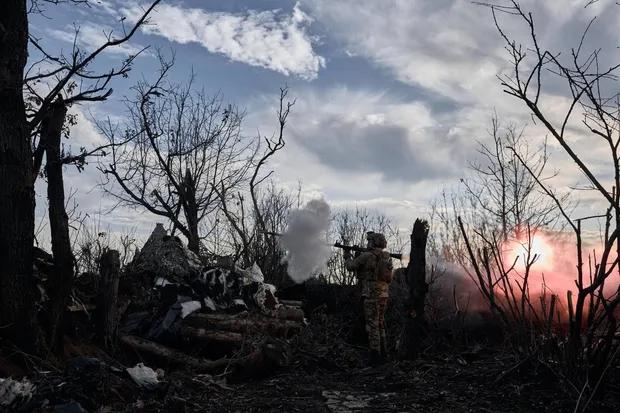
28, 117
184, 147
500, 205
502, 190
594, 100
267, 210
499, 198
256, 245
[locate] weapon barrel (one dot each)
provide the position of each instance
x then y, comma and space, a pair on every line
361, 249
273, 234
339, 245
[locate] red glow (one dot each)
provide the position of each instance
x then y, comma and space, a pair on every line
552, 269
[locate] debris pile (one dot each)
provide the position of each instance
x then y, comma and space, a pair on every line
174, 312
209, 311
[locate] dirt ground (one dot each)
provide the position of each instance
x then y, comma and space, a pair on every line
433, 384
475, 381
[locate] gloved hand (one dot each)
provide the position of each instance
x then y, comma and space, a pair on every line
346, 254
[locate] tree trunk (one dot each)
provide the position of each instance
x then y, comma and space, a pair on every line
286, 313
60, 286
171, 356
415, 328
251, 325
110, 269
228, 338
191, 212
18, 321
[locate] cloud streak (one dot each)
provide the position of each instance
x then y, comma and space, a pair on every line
269, 39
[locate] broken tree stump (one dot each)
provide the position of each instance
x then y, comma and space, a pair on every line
109, 270
173, 356
415, 328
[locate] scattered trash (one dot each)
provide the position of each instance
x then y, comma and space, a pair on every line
190, 307
144, 376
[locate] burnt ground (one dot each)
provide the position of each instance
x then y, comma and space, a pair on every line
432, 384
467, 382
328, 374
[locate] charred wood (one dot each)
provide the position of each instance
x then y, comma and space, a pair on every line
172, 356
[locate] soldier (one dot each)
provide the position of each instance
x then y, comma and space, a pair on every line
374, 270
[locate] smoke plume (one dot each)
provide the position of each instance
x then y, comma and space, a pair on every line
305, 241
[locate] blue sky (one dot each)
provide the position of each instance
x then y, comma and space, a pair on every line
392, 95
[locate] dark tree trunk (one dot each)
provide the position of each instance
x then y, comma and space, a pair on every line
17, 310
415, 328
109, 271
191, 212
64, 268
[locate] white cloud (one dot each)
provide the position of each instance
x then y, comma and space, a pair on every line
268, 39
452, 49
444, 49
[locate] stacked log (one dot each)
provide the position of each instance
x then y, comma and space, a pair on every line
232, 332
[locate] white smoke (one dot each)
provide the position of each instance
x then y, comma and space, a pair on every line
305, 240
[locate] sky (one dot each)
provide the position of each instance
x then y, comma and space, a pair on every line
392, 96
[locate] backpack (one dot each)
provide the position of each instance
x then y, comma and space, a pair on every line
383, 269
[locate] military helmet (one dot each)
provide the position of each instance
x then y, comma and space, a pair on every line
376, 239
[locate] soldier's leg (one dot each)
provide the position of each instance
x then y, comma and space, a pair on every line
381, 308
372, 325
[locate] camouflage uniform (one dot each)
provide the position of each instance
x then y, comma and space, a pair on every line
374, 293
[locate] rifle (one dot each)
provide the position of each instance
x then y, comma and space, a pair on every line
362, 249
341, 246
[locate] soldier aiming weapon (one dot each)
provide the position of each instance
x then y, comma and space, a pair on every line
347, 248
373, 268
360, 250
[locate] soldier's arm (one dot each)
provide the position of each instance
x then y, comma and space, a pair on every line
354, 264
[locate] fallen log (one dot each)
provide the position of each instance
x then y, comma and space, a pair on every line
292, 303
286, 313
173, 356
224, 337
250, 325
